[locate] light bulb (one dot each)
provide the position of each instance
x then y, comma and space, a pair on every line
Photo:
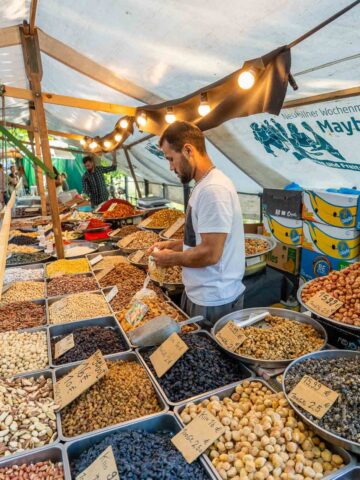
204, 109
246, 79
93, 145
124, 123
170, 116
82, 142
118, 137
141, 119
107, 144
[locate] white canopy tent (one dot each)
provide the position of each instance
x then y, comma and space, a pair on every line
135, 52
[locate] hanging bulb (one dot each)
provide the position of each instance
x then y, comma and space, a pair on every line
141, 119
246, 79
93, 145
204, 107
118, 137
83, 142
170, 116
124, 123
107, 144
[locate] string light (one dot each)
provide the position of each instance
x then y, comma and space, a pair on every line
83, 142
170, 116
204, 107
107, 144
124, 123
141, 119
118, 137
93, 145
246, 79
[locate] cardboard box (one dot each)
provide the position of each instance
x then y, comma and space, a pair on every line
282, 203
314, 265
334, 209
283, 230
285, 258
341, 243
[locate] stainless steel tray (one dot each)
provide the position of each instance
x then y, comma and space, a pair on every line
32, 266
7, 287
61, 371
80, 243
195, 397
87, 274
108, 253
46, 276
67, 328
240, 315
328, 319
352, 474
46, 259
226, 392
327, 435
32, 329
271, 244
162, 422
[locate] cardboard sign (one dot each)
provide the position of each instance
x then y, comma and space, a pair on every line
136, 313
64, 345
102, 273
114, 232
126, 241
113, 292
96, 260
198, 435
231, 336
79, 379
138, 256
313, 396
145, 222
324, 303
112, 207
168, 354
103, 468
174, 227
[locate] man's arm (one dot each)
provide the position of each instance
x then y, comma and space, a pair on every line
85, 186
175, 245
109, 169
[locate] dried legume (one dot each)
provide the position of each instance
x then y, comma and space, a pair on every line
164, 218
62, 267
71, 284
138, 240
23, 291
18, 315
77, 307
23, 258
33, 471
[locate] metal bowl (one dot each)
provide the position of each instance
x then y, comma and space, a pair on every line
80, 243
328, 319
162, 236
240, 315
35, 262
270, 241
326, 434
139, 264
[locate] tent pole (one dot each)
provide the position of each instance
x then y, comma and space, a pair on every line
34, 137
131, 168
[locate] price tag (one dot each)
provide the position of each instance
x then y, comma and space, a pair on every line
104, 272
114, 232
113, 292
174, 227
83, 225
126, 241
324, 303
138, 256
145, 222
313, 396
198, 435
231, 336
112, 207
168, 354
103, 468
96, 260
79, 379
136, 313
252, 261
65, 344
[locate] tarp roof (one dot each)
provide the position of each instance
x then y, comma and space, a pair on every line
164, 50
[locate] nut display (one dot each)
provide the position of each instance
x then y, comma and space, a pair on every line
22, 352
62, 267
144, 260
343, 285
283, 340
47, 470
71, 284
110, 261
263, 438
87, 341
202, 368
23, 258
23, 291
178, 235
77, 307
125, 393
23, 240
21, 249
140, 240
127, 230
15, 233
121, 211
27, 415
171, 275
17, 274
342, 375
254, 246
164, 218
133, 450
18, 315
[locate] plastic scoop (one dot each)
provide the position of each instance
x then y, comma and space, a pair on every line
254, 318
158, 329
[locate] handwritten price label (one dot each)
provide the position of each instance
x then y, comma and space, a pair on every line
126, 241
64, 345
313, 396
196, 437
324, 304
103, 468
174, 227
231, 336
168, 354
79, 379
113, 292
96, 260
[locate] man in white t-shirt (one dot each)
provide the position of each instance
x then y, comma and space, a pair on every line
212, 253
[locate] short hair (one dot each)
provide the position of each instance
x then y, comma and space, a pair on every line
179, 133
88, 158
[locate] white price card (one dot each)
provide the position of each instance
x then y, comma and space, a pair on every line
110, 295
96, 260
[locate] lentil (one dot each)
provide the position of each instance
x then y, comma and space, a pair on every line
125, 393
14, 316
263, 438
17, 274
62, 267
23, 291
23, 240
23, 258
342, 375
139, 240
47, 470
77, 307
71, 284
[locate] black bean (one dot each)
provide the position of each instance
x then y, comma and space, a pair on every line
23, 240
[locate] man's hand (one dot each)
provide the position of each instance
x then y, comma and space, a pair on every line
169, 244
165, 257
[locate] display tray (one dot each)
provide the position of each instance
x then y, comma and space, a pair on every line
328, 319
87, 274
240, 315
108, 253
31, 266
61, 371
327, 435
46, 259
79, 243
129, 217
67, 328
352, 474
34, 329
167, 285
226, 392
163, 237
270, 241
8, 285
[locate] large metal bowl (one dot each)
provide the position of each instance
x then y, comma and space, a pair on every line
270, 241
328, 319
80, 243
326, 434
242, 315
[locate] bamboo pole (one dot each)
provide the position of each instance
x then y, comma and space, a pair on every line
4, 238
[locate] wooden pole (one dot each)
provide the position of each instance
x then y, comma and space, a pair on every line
131, 168
33, 68
34, 137
4, 238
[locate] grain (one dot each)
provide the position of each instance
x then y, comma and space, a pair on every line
77, 307
14, 316
23, 291
62, 267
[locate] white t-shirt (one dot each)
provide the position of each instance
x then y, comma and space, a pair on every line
214, 207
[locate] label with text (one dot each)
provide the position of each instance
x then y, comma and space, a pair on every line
96, 260
138, 256
103, 468
136, 313
324, 303
64, 345
231, 336
168, 354
83, 225
174, 227
110, 295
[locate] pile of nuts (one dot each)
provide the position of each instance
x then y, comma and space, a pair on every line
17, 274
14, 316
71, 284
143, 261
27, 414
121, 211
178, 235
171, 275
77, 307
263, 439
343, 285
63, 267
21, 249
341, 374
24, 291
255, 246
283, 340
140, 240
22, 352
110, 261
127, 230
164, 218
47, 470
123, 394
23, 258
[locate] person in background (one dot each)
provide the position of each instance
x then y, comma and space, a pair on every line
3, 195
58, 181
22, 177
93, 180
13, 179
212, 253
65, 185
